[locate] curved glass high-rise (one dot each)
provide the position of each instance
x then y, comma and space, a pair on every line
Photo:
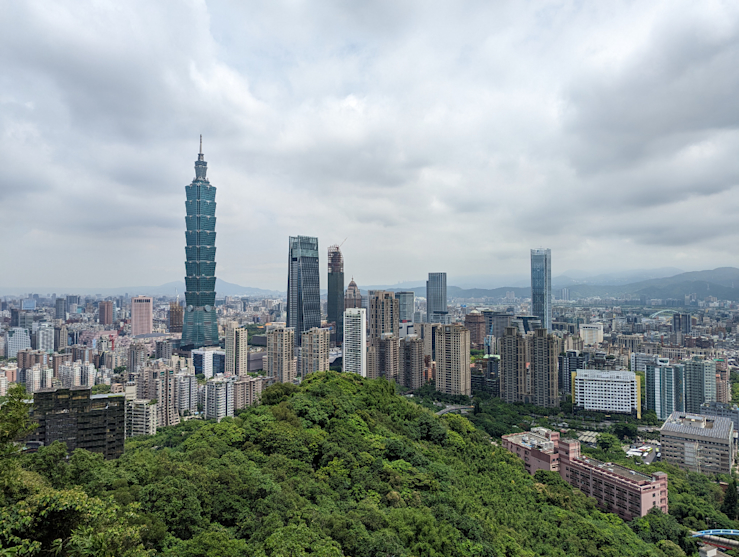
200, 324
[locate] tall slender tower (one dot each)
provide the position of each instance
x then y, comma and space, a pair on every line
335, 301
200, 326
436, 308
303, 286
541, 286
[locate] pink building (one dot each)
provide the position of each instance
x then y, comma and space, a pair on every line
142, 315
619, 490
537, 448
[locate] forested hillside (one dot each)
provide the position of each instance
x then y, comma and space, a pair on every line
339, 466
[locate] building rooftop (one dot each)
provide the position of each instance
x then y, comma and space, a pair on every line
615, 469
532, 440
696, 424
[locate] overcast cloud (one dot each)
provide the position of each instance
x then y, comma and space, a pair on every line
434, 136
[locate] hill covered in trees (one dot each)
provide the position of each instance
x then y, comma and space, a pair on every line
338, 466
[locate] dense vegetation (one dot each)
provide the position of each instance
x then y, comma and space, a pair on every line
339, 466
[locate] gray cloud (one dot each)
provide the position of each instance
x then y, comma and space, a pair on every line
452, 136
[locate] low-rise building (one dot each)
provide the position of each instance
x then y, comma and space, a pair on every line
537, 448
698, 443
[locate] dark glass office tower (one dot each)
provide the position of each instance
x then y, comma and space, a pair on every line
200, 324
436, 308
303, 286
335, 302
541, 286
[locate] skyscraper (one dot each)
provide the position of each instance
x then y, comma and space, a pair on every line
176, 314
383, 316
545, 384
142, 313
237, 349
354, 349
436, 307
314, 351
61, 308
406, 303
200, 326
281, 364
335, 301
541, 286
512, 370
353, 297
665, 389
453, 360
105, 313
303, 286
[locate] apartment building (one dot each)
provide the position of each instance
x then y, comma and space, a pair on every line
703, 444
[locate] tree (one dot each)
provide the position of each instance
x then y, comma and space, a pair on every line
14, 421
729, 506
625, 431
608, 442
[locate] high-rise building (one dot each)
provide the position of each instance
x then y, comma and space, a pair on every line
237, 349
247, 391
157, 381
176, 315
639, 361
141, 417
406, 305
354, 349
137, 356
163, 350
314, 351
105, 313
453, 360
60, 309
353, 296
219, 399
303, 286
512, 370
384, 313
474, 321
202, 361
200, 326
665, 388
569, 363
73, 416
142, 315
700, 383
411, 372
16, 339
544, 371
681, 323
384, 357
541, 286
281, 362
187, 394
436, 306
607, 391
45, 338
335, 300
61, 337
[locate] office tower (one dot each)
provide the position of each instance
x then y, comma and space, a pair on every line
187, 394
436, 307
384, 313
141, 418
474, 321
237, 349
72, 299
665, 389
496, 322
163, 350
105, 313
137, 356
219, 399
72, 416
200, 326
411, 363
512, 365
700, 383
281, 354
607, 391
703, 444
45, 338
61, 309
303, 286
453, 360
353, 297
541, 286
314, 351
16, 339
544, 371
142, 314
202, 361
176, 313
15, 317
61, 338
681, 323
335, 300
406, 306
569, 363
354, 349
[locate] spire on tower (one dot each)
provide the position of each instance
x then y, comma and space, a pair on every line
201, 143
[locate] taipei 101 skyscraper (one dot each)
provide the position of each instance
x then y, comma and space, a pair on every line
200, 323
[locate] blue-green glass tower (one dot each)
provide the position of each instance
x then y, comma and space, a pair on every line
200, 324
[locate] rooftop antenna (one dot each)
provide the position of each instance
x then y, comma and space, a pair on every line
201, 144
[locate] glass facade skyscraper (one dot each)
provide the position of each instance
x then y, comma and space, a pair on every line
335, 300
200, 323
436, 307
303, 286
541, 286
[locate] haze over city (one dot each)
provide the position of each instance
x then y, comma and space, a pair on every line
447, 137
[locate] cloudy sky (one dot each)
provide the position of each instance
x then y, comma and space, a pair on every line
434, 136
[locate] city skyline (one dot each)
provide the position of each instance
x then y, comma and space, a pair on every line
403, 135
